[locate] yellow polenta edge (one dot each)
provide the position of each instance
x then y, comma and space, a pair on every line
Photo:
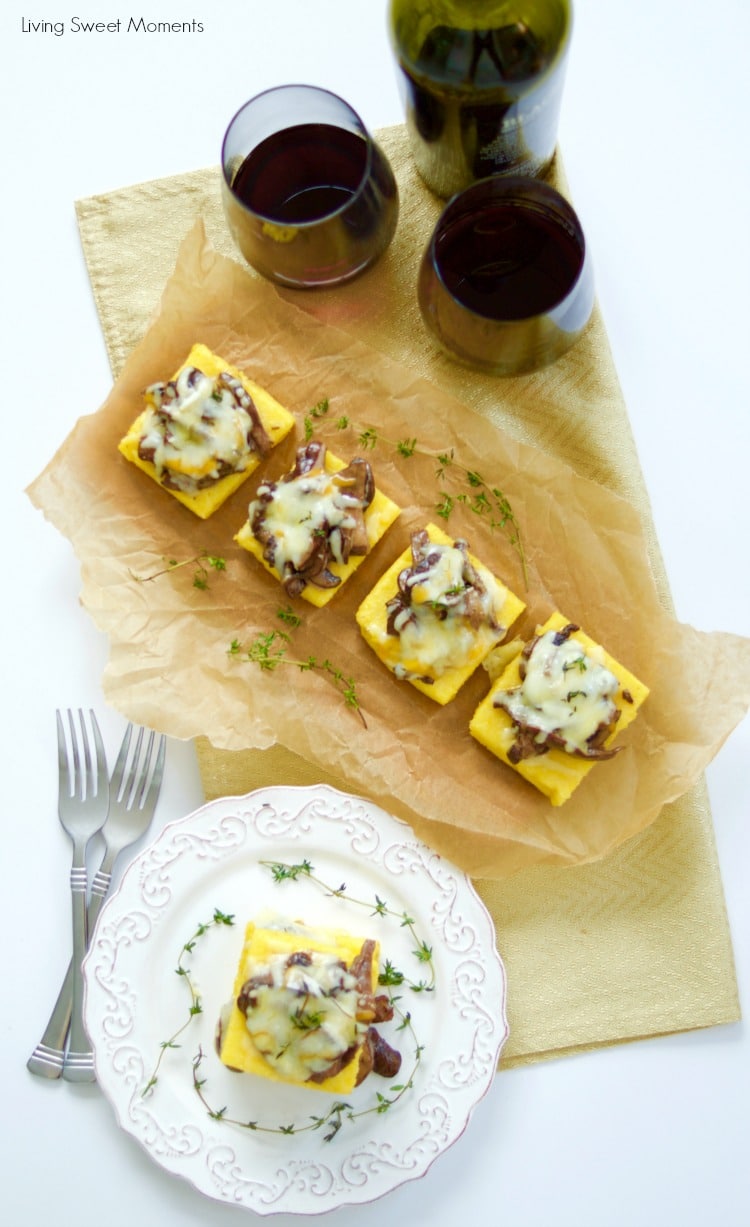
372, 620
556, 774
237, 1048
378, 517
277, 420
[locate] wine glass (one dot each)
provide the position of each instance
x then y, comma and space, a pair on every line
505, 283
310, 198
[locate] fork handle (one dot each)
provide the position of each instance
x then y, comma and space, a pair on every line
79, 1063
48, 1057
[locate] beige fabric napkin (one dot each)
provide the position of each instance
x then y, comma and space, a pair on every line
635, 945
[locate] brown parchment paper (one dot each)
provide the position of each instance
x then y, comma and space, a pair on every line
587, 555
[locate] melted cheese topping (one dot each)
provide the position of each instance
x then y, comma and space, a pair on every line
200, 433
306, 1017
298, 509
565, 691
434, 632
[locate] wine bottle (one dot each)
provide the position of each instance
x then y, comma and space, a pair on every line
481, 82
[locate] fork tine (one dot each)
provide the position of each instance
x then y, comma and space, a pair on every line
148, 785
102, 773
93, 779
84, 778
63, 766
126, 794
150, 799
115, 782
139, 785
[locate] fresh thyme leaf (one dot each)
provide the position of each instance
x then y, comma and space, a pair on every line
288, 616
369, 437
445, 507
390, 975
406, 447
306, 1020
317, 411
288, 873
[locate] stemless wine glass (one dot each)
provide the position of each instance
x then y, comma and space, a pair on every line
506, 283
310, 198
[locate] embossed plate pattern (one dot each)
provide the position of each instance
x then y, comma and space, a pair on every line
135, 1001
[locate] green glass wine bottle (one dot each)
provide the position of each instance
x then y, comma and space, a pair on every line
482, 83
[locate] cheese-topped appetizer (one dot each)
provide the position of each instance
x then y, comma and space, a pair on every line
556, 709
204, 431
436, 613
305, 1008
312, 528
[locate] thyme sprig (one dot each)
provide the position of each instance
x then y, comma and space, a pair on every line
203, 563
389, 976
196, 1007
270, 649
479, 496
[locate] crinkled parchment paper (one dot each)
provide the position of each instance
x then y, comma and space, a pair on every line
170, 667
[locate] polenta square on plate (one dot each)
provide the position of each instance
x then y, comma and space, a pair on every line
204, 431
314, 527
301, 1005
436, 613
555, 711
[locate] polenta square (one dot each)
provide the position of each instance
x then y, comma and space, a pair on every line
435, 614
313, 528
204, 431
301, 1007
557, 708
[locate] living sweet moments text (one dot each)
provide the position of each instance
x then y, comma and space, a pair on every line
120, 25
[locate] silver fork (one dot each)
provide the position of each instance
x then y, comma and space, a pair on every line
132, 803
83, 803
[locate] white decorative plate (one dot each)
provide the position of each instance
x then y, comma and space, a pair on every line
135, 1003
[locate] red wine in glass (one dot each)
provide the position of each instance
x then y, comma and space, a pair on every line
310, 203
505, 284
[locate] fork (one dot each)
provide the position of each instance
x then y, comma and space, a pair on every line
132, 803
83, 802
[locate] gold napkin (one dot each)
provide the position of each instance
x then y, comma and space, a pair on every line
635, 945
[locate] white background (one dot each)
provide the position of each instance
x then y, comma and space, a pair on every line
654, 134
